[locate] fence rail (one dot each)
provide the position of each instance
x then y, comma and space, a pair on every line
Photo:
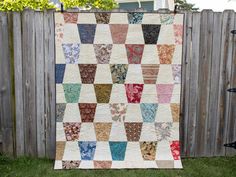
27, 89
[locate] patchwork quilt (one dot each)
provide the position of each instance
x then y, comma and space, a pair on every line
118, 81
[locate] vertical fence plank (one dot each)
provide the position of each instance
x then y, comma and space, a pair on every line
226, 53
187, 78
18, 83
182, 96
29, 83
214, 84
193, 84
39, 57
231, 115
6, 107
204, 80
50, 91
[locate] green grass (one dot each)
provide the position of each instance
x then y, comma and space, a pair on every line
207, 167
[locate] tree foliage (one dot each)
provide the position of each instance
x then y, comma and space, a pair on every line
184, 5
20, 5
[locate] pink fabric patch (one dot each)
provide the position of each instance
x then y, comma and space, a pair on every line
175, 150
134, 92
164, 92
178, 32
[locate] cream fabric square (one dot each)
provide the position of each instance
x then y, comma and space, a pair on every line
85, 18
72, 74
87, 94
72, 113
163, 113
71, 34
135, 34
118, 54
166, 37
119, 18
133, 113
150, 55
150, 18
72, 151
149, 94
87, 132
60, 134
118, 94
148, 132
102, 152
118, 128
103, 34
87, 54
100, 78
60, 96
103, 113
134, 74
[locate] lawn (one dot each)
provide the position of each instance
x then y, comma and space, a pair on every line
207, 167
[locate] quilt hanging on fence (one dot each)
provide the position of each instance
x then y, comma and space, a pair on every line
118, 90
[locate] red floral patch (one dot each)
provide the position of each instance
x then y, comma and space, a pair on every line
175, 150
134, 92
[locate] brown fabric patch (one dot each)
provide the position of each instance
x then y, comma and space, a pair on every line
102, 131
165, 163
103, 92
87, 73
150, 73
72, 130
102, 18
119, 33
102, 164
175, 111
70, 164
133, 131
60, 147
166, 53
87, 111
70, 17
103, 53
148, 150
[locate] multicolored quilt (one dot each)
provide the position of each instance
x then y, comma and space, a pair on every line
118, 81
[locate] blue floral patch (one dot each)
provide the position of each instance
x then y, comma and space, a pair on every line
118, 150
135, 17
87, 33
60, 70
71, 53
148, 111
87, 149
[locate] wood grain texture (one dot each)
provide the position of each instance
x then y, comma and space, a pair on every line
17, 38
193, 84
182, 95
29, 83
39, 59
214, 84
226, 53
50, 90
6, 105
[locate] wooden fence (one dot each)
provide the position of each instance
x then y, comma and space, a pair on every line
27, 84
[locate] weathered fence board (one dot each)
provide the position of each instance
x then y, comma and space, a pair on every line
193, 84
29, 84
17, 38
39, 41
50, 88
209, 68
6, 105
